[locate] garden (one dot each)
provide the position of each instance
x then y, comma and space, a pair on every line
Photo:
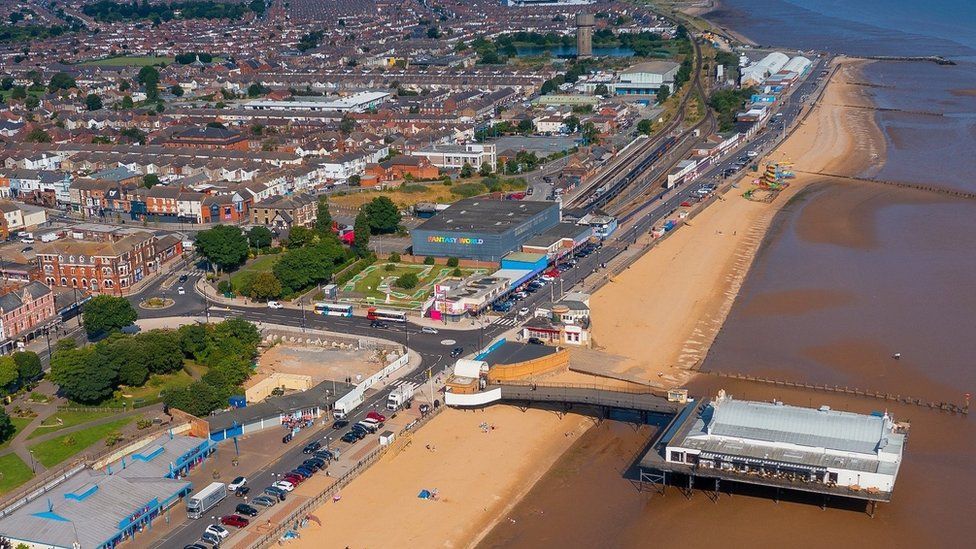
406, 284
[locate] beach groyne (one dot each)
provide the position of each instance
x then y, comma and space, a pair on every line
942, 406
937, 59
954, 193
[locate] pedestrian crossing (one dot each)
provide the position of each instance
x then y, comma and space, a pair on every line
507, 321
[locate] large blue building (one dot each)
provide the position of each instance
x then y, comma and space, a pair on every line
483, 229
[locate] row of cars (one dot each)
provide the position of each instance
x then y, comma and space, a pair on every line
373, 422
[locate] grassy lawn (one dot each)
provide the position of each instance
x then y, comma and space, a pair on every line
253, 267
368, 282
412, 193
150, 392
54, 451
69, 419
19, 424
13, 472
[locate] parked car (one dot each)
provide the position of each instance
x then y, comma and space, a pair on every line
369, 428
286, 439
428, 330
315, 464
276, 492
283, 485
340, 423
237, 483
245, 509
536, 341
294, 478
372, 414
350, 437
212, 539
309, 473
242, 491
275, 305
457, 351
234, 520
325, 455
194, 546
265, 501
360, 430
311, 447
217, 530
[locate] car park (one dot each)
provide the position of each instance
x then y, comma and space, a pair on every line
236, 483
284, 485
234, 520
217, 530
428, 330
311, 447
245, 509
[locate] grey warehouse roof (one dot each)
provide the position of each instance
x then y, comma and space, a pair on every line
483, 215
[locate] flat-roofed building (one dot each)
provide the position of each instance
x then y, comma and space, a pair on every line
647, 78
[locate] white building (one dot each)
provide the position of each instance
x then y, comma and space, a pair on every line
357, 102
804, 445
456, 156
757, 72
647, 78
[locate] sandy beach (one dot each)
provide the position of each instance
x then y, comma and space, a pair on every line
664, 312
478, 477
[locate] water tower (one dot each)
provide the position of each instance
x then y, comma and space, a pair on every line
584, 35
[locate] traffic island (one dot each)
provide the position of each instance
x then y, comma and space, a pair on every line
156, 303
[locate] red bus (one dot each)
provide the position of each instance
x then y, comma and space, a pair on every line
385, 314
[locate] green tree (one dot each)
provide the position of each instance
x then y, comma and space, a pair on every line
257, 6
572, 123
395, 257
126, 102
485, 169
466, 171
256, 90
361, 228
644, 126
355, 180
224, 245
433, 32
456, 272
32, 102
28, 366
81, 376
323, 218
429, 260
149, 77
163, 349
347, 124
8, 373
300, 236
6, 83
93, 102
259, 237
590, 133
384, 217
452, 262
525, 126
61, 81
407, 281
265, 286
105, 313
7, 430
18, 92
193, 340
176, 90
663, 93
601, 89
300, 268
150, 180
198, 399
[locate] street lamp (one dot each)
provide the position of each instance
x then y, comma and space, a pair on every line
33, 466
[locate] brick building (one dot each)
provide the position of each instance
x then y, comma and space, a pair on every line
208, 138
417, 167
285, 212
24, 309
99, 259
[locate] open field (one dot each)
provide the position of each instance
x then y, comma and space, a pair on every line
13, 472
375, 281
68, 419
257, 265
19, 424
413, 193
54, 451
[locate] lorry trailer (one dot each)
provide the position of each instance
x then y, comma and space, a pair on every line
204, 500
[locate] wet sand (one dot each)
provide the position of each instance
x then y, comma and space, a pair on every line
933, 495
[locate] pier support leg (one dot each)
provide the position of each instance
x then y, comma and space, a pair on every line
871, 508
